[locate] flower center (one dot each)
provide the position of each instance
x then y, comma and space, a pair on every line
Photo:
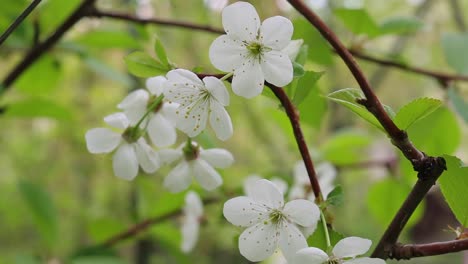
191, 150
333, 260
255, 48
132, 134
276, 216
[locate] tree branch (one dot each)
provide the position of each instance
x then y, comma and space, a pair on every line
408, 251
18, 20
35, 53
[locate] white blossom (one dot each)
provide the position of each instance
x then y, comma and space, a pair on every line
293, 48
160, 123
132, 149
345, 252
193, 211
195, 161
270, 223
326, 174
249, 184
253, 52
199, 101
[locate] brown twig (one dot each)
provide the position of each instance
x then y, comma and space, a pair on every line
432, 249
18, 20
428, 168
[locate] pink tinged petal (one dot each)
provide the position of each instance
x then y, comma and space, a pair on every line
155, 84
134, 105
243, 211
183, 76
220, 121
291, 240
102, 140
267, 194
248, 80
241, 21
302, 212
216, 157
117, 120
125, 162
351, 247
161, 131
258, 242
147, 157
227, 54
276, 32
206, 176
179, 178
170, 155
193, 204
365, 261
310, 255
217, 90
277, 68
190, 229
249, 184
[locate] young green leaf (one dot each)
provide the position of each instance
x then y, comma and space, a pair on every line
345, 147
161, 53
317, 239
358, 21
348, 97
401, 25
298, 70
42, 209
454, 47
458, 103
305, 85
142, 65
454, 184
415, 111
335, 197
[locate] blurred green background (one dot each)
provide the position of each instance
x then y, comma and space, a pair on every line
57, 200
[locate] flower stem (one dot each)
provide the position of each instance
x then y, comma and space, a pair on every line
325, 229
227, 76
151, 108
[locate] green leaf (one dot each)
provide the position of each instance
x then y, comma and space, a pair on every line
437, 134
97, 260
348, 97
458, 103
142, 65
318, 49
335, 197
313, 108
358, 21
38, 107
454, 47
148, 192
318, 240
52, 13
454, 184
298, 70
41, 78
305, 85
108, 39
386, 197
161, 53
401, 25
42, 209
415, 111
345, 147
105, 227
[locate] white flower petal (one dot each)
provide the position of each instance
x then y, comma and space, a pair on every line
161, 131
169, 155
276, 32
193, 204
248, 80
134, 105
249, 184
125, 162
226, 53
168, 110
243, 211
179, 178
351, 247
268, 194
297, 192
190, 229
217, 90
183, 76
310, 255
307, 231
258, 242
220, 121
277, 68
300, 174
291, 240
217, 157
192, 121
282, 185
365, 261
293, 48
241, 21
302, 212
117, 120
147, 157
102, 140
208, 177
155, 85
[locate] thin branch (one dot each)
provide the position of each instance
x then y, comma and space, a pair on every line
34, 54
432, 249
155, 21
18, 20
